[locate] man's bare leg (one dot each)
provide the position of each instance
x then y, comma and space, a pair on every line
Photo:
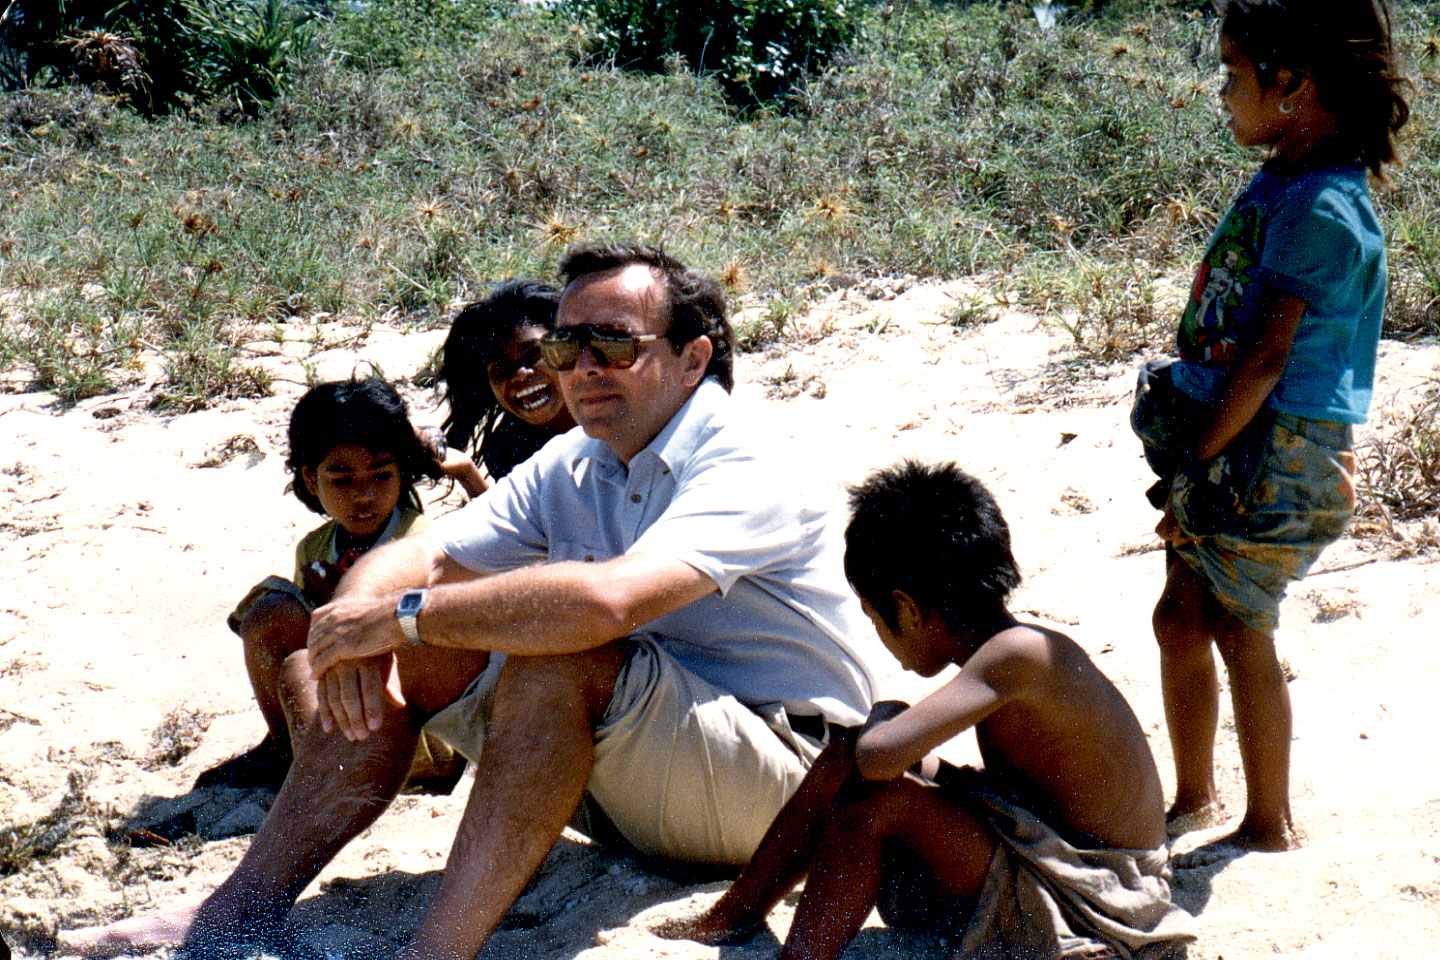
538, 754
844, 882
335, 789
1263, 723
784, 854
1191, 688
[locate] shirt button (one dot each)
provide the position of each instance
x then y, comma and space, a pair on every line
589, 558
634, 498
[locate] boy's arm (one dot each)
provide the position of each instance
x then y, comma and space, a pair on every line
1253, 378
1000, 672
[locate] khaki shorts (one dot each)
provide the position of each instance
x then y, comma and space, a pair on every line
683, 770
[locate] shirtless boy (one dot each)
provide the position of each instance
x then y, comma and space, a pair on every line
1055, 850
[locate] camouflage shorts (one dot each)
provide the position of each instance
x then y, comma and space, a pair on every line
1302, 496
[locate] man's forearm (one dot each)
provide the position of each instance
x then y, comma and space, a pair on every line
403, 564
541, 610
558, 608
546, 609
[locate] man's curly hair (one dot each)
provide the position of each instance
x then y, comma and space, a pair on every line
696, 303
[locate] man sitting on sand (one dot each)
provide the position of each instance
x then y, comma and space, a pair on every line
1056, 849
674, 627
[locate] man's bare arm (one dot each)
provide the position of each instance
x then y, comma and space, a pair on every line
545, 609
350, 695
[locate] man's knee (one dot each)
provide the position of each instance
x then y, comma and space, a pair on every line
587, 677
433, 678
295, 674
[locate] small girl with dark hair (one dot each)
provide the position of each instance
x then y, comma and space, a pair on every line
504, 399
356, 459
1276, 363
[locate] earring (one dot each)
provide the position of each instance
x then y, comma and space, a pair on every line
1286, 107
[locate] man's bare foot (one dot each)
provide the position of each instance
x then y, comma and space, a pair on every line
140, 934
1179, 822
702, 929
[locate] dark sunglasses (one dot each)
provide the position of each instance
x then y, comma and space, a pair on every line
612, 348
505, 368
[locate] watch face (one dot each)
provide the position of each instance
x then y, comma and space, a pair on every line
411, 603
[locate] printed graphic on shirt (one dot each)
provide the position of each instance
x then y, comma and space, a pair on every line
1217, 316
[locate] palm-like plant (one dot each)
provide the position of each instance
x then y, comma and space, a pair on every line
245, 49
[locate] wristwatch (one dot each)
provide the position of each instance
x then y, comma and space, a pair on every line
407, 611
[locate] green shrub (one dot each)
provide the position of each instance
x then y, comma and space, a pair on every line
399, 33
244, 50
158, 53
757, 49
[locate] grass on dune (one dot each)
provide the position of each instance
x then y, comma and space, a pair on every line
415, 159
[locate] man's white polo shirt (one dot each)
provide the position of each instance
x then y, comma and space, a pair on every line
719, 496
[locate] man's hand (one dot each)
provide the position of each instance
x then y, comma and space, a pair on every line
352, 696
353, 628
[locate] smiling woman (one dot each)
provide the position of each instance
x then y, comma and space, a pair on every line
504, 399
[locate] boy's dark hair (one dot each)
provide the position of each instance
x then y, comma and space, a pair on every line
476, 421
696, 303
934, 532
366, 413
1344, 46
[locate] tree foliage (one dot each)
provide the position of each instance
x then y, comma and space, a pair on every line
757, 49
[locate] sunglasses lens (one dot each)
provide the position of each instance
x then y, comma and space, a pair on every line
614, 349
562, 348
560, 351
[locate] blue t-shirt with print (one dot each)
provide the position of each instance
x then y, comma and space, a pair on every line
1312, 234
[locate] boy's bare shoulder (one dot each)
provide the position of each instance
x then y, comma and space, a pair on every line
1021, 644
1029, 656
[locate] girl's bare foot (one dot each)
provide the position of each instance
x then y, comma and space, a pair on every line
1179, 822
140, 934
1263, 839
1245, 839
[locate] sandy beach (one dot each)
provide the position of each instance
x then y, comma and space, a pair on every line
126, 536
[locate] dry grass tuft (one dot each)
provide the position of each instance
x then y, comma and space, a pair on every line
26, 843
1400, 471
178, 735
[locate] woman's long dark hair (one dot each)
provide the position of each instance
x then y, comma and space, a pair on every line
476, 421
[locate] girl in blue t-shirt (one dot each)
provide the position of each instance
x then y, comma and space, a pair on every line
1277, 353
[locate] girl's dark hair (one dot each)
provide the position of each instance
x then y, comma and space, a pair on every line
476, 421
366, 413
1344, 46
934, 532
